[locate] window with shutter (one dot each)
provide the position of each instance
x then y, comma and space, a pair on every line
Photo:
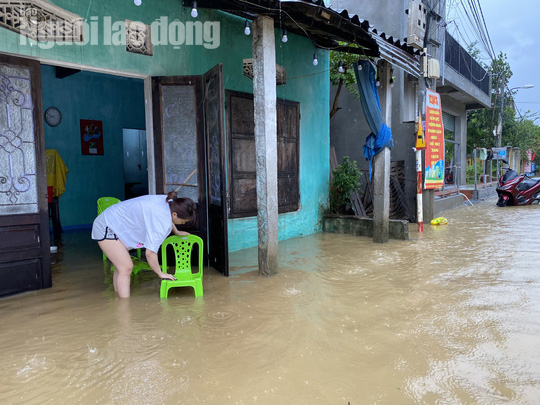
242, 161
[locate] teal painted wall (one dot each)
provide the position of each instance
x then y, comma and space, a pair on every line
306, 84
116, 101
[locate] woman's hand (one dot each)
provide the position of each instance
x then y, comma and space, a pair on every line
152, 259
166, 276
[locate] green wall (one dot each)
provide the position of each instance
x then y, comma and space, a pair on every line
306, 84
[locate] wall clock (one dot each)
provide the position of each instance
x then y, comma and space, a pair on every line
53, 116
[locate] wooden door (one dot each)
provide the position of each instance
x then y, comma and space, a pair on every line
179, 142
215, 150
25, 259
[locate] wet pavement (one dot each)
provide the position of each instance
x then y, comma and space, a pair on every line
450, 317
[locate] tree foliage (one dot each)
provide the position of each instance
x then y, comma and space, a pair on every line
347, 78
517, 131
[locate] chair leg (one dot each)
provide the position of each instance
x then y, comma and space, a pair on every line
198, 289
164, 290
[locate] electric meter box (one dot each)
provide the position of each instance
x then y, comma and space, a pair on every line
416, 30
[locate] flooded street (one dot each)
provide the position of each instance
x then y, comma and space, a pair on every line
450, 317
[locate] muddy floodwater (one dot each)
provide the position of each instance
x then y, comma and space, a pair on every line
450, 317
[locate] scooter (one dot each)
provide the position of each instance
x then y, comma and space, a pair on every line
515, 189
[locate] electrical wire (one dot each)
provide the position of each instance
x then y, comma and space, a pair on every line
470, 23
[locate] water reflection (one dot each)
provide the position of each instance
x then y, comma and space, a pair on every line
451, 316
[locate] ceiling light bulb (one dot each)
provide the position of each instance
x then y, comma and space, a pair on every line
340, 67
247, 30
315, 61
284, 37
137, 2
194, 12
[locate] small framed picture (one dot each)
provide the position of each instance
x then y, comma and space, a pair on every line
92, 137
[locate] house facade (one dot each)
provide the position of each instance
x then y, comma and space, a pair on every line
149, 97
462, 84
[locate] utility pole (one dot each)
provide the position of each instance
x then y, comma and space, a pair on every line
501, 113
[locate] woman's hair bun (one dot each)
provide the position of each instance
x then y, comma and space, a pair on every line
171, 196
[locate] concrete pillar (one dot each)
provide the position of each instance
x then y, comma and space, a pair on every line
461, 137
381, 165
264, 98
428, 199
381, 196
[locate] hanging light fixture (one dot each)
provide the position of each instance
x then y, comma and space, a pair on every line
315, 60
340, 68
194, 12
247, 30
391, 77
137, 2
284, 37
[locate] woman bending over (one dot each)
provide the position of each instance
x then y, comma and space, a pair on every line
142, 222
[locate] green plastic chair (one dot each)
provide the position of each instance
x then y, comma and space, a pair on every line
105, 202
182, 246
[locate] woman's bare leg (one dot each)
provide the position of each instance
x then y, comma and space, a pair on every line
114, 278
119, 256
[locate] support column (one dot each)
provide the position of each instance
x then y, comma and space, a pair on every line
264, 98
381, 165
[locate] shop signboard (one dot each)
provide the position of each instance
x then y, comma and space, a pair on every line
434, 168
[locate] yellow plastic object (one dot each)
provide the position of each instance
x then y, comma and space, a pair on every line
439, 221
182, 246
56, 172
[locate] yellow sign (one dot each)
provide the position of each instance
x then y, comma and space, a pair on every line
420, 137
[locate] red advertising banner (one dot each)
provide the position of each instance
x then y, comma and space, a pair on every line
91, 137
434, 174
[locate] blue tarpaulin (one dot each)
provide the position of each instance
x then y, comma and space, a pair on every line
381, 135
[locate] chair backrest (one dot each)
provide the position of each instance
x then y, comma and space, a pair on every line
182, 246
105, 202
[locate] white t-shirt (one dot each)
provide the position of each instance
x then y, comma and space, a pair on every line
142, 222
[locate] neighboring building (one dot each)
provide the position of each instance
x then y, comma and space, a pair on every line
463, 85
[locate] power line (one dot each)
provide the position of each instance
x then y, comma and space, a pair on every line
470, 23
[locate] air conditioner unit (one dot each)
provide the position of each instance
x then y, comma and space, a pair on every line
416, 30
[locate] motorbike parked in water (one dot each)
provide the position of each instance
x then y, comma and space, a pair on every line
516, 189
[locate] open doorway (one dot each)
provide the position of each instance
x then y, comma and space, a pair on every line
95, 108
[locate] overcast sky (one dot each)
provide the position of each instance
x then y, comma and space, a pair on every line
514, 28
